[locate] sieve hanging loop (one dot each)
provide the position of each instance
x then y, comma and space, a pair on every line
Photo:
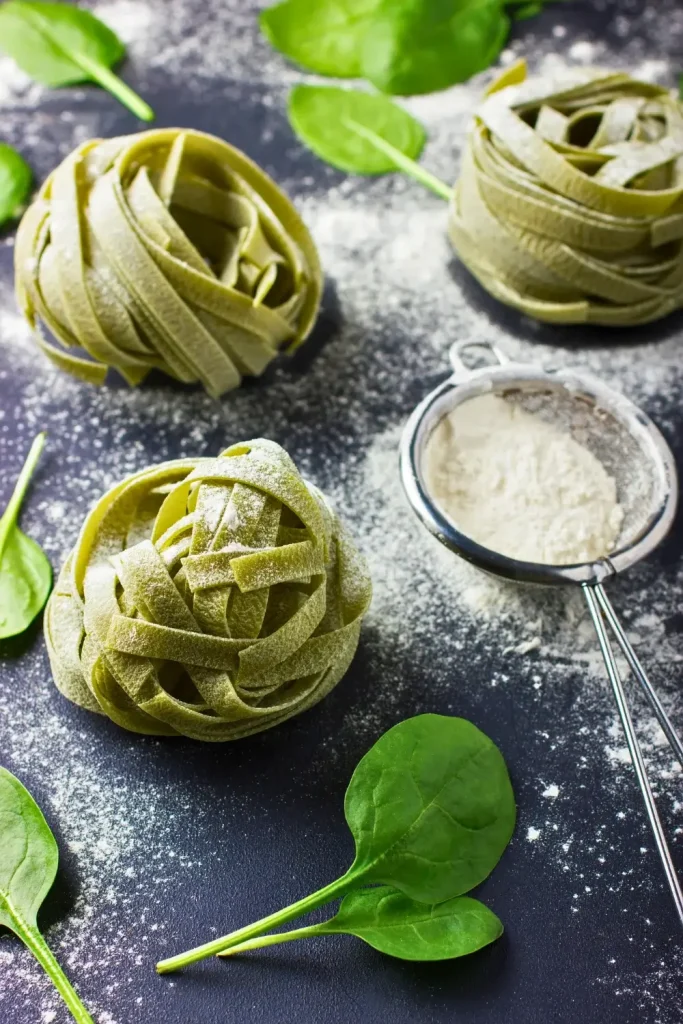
458, 349
614, 421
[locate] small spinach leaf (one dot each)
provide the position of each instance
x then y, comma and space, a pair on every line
421, 46
58, 44
15, 182
431, 810
25, 573
398, 926
321, 35
392, 923
28, 865
316, 112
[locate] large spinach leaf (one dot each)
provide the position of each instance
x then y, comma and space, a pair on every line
325, 36
418, 47
431, 808
401, 46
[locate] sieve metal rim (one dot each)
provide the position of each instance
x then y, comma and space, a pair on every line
466, 383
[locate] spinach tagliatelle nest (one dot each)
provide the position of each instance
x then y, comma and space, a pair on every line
569, 206
171, 250
208, 597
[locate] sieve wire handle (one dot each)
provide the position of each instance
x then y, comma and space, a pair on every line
597, 603
668, 728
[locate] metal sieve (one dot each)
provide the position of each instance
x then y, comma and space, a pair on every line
633, 452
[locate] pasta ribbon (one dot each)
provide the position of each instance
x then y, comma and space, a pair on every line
212, 598
166, 250
569, 205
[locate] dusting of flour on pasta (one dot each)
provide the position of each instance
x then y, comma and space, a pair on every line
520, 486
139, 819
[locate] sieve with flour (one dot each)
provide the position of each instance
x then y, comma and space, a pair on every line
633, 452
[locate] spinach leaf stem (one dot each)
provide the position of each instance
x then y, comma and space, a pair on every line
113, 84
317, 899
260, 941
37, 945
403, 162
9, 516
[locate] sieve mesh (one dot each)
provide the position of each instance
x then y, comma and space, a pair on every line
607, 437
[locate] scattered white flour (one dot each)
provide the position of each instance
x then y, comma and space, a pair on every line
520, 486
438, 630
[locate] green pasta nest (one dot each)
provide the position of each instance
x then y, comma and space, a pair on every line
569, 203
167, 250
208, 597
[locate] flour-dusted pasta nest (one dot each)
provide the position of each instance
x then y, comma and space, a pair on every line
568, 205
208, 597
168, 250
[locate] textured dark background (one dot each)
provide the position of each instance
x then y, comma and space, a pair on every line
164, 843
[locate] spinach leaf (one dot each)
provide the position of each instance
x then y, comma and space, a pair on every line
25, 573
420, 46
368, 125
58, 44
316, 113
321, 35
28, 865
431, 809
15, 182
404, 47
394, 924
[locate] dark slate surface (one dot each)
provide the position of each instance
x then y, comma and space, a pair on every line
201, 837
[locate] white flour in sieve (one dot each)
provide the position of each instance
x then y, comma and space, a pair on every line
521, 486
